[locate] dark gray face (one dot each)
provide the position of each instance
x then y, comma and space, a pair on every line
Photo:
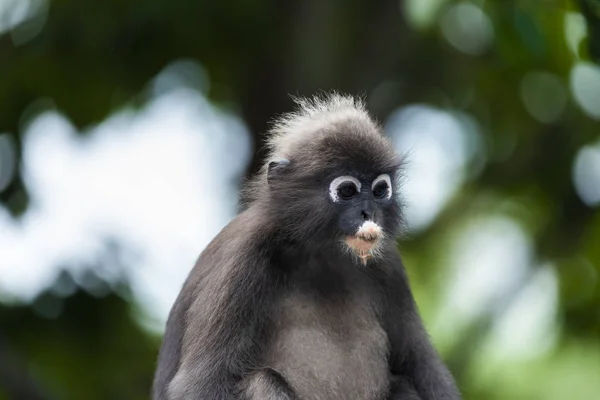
360, 200
348, 202
363, 204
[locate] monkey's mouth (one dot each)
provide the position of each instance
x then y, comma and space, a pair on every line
365, 240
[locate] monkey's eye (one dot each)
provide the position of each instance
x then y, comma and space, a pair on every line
347, 190
343, 188
380, 190
382, 187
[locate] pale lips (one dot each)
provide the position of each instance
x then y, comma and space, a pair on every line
365, 240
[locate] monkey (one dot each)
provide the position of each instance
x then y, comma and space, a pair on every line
304, 295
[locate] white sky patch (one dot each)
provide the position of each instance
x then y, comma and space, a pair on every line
532, 315
490, 258
162, 182
438, 145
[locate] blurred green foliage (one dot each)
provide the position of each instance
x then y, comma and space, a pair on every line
78, 347
91, 57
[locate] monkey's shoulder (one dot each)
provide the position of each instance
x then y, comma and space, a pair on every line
238, 243
242, 234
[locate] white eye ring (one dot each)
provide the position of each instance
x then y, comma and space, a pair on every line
335, 184
386, 178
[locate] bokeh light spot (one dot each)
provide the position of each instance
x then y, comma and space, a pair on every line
437, 145
528, 327
543, 95
585, 85
421, 13
24, 18
467, 28
586, 175
575, 30
491, 257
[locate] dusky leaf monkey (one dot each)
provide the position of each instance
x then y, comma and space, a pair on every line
303, 296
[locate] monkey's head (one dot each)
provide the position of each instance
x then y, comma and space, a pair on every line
331, 178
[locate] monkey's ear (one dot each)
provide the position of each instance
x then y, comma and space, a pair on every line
276, 168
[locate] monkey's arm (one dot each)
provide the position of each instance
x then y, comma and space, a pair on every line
267, 384
226, 326
412, 354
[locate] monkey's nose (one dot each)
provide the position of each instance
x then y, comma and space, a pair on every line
366, 215
367, 210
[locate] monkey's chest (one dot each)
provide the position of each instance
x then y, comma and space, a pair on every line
330, 351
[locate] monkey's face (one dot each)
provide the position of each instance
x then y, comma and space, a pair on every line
366, 211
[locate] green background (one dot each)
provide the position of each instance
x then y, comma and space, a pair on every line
93, 57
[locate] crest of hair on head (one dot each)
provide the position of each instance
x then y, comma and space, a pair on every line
290, 130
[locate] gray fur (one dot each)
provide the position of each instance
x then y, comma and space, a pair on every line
330, 352
277, 308
259, 385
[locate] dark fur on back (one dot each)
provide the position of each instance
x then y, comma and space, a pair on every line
279, 265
